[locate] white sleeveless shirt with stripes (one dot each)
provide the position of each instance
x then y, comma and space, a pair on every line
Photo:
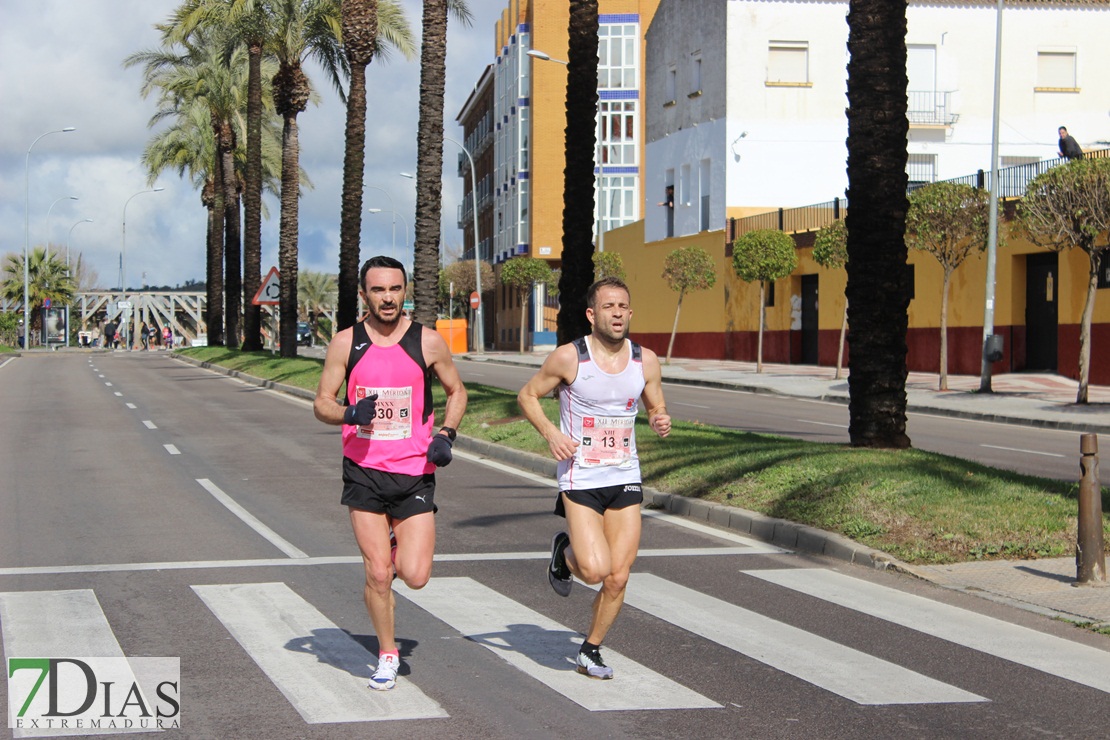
598, 410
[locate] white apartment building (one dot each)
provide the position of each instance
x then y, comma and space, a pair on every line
745, 99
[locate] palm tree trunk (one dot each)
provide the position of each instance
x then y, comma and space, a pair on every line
350, 223
233, 255
215, 318
288, 235
578, 179
252, 202
878, 279
429, 161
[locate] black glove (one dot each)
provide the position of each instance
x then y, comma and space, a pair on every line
362, 413
439, 451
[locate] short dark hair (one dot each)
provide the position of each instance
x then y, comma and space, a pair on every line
382, 261
605, 282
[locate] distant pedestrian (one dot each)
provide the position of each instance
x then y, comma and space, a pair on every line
144, 335
167, 337
109, 335
1069, 147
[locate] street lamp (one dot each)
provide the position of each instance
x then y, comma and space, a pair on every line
479, 330
123, 261
27, 237
392, 209
68, 237
48, 210
598, 154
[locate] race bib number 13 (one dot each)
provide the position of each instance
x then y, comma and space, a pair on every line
606, 441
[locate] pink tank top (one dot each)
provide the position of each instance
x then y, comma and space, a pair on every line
397, 440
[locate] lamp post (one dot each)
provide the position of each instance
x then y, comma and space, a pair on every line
479, 331
123, 261
68, 237
393, 210
48, 211
598, 154
992, 227
27, 237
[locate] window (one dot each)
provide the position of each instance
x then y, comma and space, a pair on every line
695, 75
672, 75
619, 143
922, 169
618, 198
1056, 70
703, 192
788, 63
684, 194
618, 57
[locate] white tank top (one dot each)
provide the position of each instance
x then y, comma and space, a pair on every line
598, 410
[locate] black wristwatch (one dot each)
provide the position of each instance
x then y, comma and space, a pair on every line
451, 433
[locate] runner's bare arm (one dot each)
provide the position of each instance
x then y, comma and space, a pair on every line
658, 418
326, 408
437, 356
561, 366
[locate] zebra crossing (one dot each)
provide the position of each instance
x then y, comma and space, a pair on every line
322, 671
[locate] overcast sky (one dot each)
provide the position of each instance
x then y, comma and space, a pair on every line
60, 66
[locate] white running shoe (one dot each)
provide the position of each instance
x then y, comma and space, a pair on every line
385, 677
590, 664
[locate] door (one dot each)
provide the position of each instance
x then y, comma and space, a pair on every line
1042, 280
809, 320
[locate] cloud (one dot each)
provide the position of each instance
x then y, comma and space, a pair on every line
63, 67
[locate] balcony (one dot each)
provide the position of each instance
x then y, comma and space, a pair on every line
930, 108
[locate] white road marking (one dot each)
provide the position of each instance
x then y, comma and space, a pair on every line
132, 406
1027, 452
544, 649
44, 570
108, 384
855, 675
320, 668
251, 521
172, 450
1053, 655
822, 423
149, 424
691, 405
119, 394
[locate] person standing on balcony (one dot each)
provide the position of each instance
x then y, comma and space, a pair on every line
1069, 147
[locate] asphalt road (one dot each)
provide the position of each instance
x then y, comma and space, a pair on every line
152, 508
1030, 450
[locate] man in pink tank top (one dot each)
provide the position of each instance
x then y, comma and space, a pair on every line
390, 453
600, 378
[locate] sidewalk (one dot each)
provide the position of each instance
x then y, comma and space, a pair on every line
1037, 399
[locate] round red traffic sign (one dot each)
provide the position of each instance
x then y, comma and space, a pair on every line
475, 300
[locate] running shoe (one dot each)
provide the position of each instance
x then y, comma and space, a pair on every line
385, 677
590, 664
558, 574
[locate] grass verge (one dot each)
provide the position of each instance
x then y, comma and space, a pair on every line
918, 506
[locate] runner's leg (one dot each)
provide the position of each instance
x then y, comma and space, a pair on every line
622, 533
416, 545
372, 534
588, 554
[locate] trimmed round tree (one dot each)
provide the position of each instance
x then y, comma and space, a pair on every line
830, 250
522, 273
763, 256
686, 269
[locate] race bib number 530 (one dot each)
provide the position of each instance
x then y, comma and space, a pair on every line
392, 413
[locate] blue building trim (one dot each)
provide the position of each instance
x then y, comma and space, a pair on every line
619, 94
523, 102
618, 18
620, 170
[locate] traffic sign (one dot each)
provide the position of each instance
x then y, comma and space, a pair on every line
123, 305
475, 300
270, 292
46, 303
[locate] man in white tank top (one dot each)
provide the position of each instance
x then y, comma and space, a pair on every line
600, 378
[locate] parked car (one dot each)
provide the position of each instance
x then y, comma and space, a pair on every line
304, 334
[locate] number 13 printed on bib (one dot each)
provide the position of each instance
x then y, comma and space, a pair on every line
606, 441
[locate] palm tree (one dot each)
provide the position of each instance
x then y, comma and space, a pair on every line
429, 154
369, 27
204, 72
48, 279
316, 294
878, 276
578, 189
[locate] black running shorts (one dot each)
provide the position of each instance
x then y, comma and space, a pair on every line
393, 494
600, 499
